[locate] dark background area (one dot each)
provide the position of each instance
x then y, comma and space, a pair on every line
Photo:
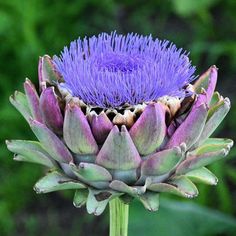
30, 28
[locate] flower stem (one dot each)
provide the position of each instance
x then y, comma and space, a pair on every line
119, 217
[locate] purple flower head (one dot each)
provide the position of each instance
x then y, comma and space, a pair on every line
111, 70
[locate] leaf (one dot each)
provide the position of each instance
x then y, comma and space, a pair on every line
213, 145
98, 200
196, 161
186, 8
150, 201
124, 188
51, 142
80, 197
162, 162
180, 186
19, 101
216, 115
30, 151
55, 181
91, 172
184, 217
202, 175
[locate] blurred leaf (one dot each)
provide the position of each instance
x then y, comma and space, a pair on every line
6, 223
188, 7
231, 171
179, 218
224, 195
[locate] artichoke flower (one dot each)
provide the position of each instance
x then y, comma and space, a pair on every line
122, 117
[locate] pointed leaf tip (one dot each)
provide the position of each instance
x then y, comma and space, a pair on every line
149, 130
162, 162
124, 188
30, 151
19, 101
33, 99
96, 205
100, 126
191, 128
207, 81
55, 181
47, 72
202, 175
80, 197
118, 152
50, 142
91, 172
195, 160
150, 200
50, 110
180, 186
216, 114
77, 132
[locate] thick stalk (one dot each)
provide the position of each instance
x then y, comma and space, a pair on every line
119, 217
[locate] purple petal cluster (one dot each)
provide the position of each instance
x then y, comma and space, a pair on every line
110, 70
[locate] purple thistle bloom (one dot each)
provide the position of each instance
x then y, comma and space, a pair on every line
111, 70
115, 155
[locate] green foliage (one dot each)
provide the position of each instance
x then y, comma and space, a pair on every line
29, 28
180, 218
186, 8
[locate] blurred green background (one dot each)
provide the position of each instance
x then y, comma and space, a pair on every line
29, 28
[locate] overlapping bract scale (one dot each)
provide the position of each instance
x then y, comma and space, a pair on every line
165, 149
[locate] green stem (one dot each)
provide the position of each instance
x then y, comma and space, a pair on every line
119, 217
